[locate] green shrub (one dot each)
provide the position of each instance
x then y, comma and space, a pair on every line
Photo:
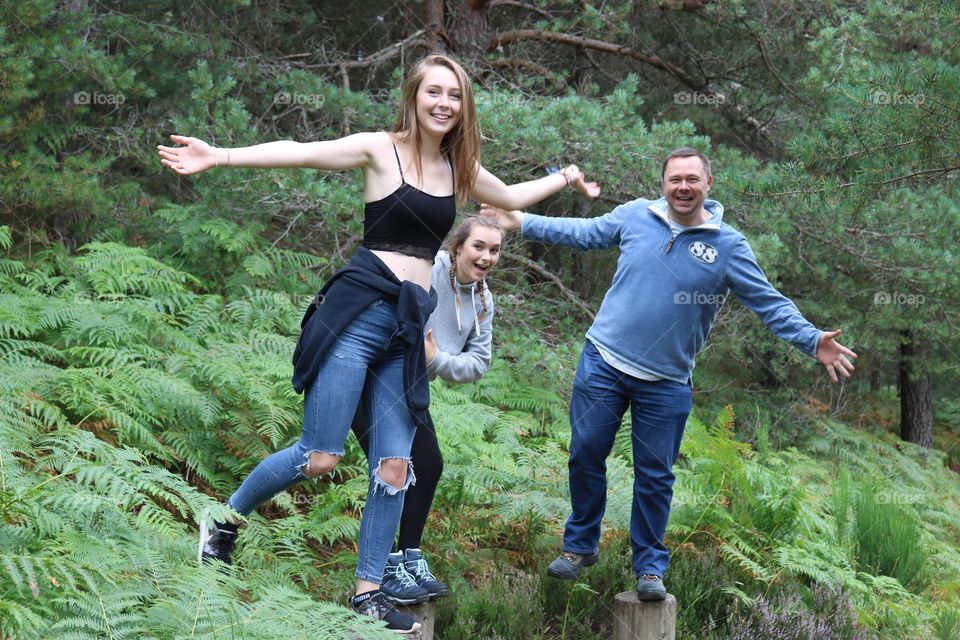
888, 539
701, 581
504, 608
947, 626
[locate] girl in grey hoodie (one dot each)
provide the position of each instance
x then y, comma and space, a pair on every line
459, 337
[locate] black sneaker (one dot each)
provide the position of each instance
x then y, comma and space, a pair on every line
567, 566
416, 565
217, 541
399, 584
376, 605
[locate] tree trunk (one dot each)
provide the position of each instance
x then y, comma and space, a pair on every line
434, 17
471, 29
875, 374
916, 404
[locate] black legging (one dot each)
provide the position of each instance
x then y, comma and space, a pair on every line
427, 466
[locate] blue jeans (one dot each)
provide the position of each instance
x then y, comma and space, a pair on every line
659, 413
365, 364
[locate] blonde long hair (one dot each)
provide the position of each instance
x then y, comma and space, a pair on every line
462, 143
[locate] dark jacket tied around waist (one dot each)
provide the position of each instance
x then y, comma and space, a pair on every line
352, 289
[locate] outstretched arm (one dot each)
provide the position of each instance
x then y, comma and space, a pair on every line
578, 233
489, 188
833, 355
781, 315
332, 155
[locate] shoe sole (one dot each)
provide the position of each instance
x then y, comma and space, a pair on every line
413, 629
648, 597
405, 601
439, 594
562, 575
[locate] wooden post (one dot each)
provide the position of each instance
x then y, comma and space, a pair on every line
426, 613
635, 619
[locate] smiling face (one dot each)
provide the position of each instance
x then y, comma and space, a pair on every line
685, 185
438, 101
478, 254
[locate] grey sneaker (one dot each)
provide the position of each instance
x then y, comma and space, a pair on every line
376, 605
399, 584
650, 587
417, 566
568, 565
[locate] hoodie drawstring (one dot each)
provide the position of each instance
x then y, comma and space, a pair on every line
473, 305
457, 304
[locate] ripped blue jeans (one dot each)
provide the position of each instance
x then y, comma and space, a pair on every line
365, 364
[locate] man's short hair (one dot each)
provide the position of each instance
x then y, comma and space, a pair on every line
686, 152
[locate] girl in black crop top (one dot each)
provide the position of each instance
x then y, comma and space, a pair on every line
414, 178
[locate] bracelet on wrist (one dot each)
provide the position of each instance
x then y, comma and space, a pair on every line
563, 172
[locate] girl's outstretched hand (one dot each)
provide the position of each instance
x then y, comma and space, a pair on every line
195, 156
578, 182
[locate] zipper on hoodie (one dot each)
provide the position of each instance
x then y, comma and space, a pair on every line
670, 230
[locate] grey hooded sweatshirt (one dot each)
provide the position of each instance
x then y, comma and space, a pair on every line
464, 340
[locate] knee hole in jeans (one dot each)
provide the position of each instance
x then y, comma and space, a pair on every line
319, 463
394, 475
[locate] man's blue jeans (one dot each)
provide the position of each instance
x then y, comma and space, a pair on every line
365, 363
659, 413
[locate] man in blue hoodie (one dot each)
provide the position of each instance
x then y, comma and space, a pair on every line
678, 262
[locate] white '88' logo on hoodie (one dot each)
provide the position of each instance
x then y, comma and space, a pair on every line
703, 252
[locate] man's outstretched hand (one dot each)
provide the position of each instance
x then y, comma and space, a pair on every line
508, 220
833, 355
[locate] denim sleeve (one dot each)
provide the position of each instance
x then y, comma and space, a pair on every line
578, 233
779, 313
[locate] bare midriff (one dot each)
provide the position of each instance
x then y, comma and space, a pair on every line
416, 270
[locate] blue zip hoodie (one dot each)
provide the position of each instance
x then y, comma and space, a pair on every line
667, 291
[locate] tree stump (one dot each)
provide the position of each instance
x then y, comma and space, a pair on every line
635, 619
426, 613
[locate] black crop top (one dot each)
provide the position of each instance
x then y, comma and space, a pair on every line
408, 220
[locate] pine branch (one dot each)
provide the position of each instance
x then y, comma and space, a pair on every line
412, 41
555, 280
